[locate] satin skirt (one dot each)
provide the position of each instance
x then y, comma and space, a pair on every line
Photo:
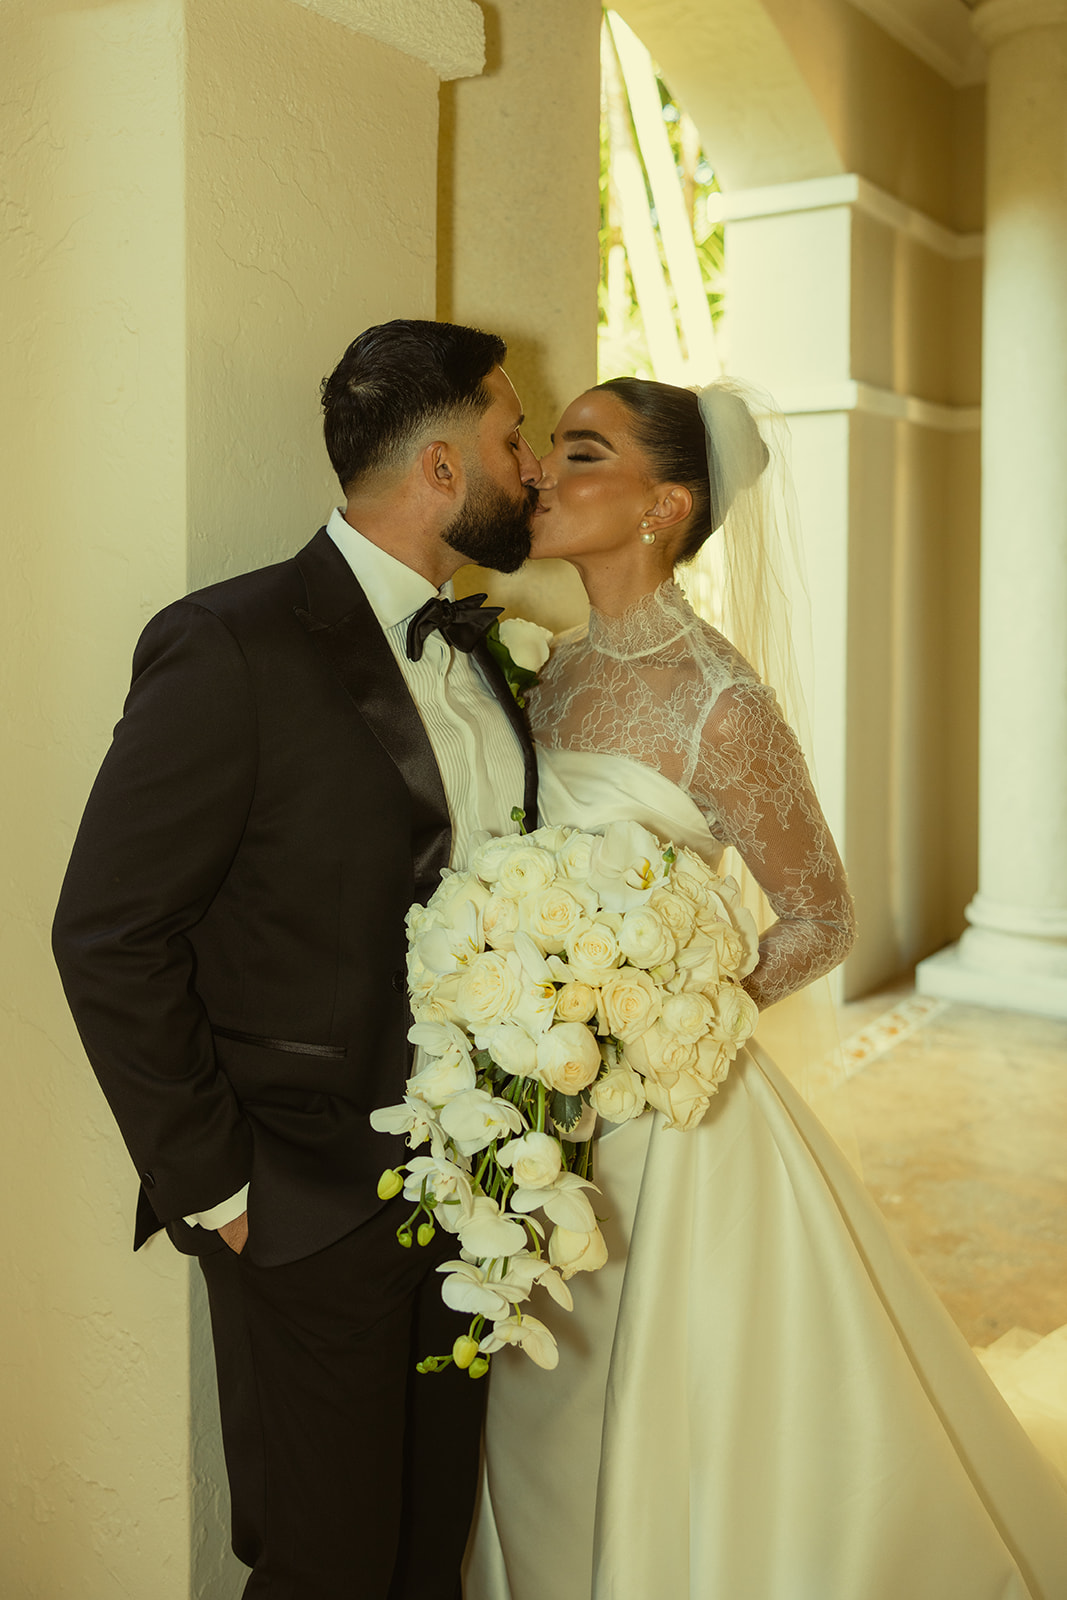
758, 1398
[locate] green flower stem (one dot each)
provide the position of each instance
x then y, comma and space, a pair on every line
541, 1100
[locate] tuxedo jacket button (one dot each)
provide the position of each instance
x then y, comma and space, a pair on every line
148, 1179
397, 980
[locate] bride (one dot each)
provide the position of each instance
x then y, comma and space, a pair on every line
758, 1398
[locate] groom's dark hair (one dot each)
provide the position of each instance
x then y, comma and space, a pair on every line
393, 380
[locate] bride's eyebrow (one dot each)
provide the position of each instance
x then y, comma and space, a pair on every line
574, 434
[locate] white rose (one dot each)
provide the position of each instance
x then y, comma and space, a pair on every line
736, 1016
474, 1119
489, 989
568, 1057
577, 1252
629, 1002
534, 1160
511, 1047
592, 953
688, 1016
553, 915
683, 1104
525, 642
576, 1002
626, 866
699, 965
693, 878
658, 1053
548, 838
574, 855
645, 939
500, 919
677, 912
490, 856
713, 1063
618, 1096
526, 870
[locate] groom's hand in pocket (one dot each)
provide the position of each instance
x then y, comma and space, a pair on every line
235, 1233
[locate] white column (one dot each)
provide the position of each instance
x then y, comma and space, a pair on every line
1014, 954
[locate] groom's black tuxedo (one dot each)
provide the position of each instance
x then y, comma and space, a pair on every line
231, 928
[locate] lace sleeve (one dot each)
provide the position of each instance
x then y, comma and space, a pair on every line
752, 781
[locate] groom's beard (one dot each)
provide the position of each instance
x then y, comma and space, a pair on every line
493, 530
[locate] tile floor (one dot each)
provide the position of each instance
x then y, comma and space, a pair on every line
960, 1115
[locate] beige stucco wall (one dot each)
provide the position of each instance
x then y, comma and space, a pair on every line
518, 224
204, 202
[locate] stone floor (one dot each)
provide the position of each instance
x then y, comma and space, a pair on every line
960, 1115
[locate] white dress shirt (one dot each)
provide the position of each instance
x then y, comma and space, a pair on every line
476, 749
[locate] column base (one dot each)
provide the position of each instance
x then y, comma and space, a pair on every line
950, 976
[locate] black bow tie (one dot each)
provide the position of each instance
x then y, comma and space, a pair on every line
462, 622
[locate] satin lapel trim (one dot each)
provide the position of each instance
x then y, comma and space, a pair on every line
517, 717
358, 654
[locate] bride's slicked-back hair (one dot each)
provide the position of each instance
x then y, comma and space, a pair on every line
669, 427
393, 380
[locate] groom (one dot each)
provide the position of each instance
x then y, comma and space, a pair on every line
303, 749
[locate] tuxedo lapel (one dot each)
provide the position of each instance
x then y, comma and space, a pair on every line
517, 717
342, 624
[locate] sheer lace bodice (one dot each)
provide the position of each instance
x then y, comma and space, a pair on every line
661, 687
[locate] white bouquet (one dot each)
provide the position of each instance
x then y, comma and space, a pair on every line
567, 976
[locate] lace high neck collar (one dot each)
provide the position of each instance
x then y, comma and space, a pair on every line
652, 622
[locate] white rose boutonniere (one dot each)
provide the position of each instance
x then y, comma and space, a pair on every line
520, 649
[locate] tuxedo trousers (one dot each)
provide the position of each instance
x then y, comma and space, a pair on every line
352, 1476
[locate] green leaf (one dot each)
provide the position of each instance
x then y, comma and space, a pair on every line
565, 1110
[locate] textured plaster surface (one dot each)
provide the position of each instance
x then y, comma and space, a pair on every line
255, 183
448, 36
311, 175
518, 250
93, 1388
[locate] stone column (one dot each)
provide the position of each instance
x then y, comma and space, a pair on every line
1014, 954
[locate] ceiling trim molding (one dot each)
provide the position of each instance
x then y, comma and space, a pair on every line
870, 400
962, 63
448, 36
846, 189
995, 20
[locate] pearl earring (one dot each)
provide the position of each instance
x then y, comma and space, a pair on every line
647, 538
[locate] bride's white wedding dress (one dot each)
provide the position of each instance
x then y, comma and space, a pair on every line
758, 1398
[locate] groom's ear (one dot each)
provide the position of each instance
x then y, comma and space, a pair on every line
442, 469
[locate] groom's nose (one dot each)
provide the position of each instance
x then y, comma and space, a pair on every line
529, 466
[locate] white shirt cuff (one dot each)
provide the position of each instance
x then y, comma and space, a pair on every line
226, 1211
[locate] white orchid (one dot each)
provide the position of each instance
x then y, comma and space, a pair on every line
467, 1288
472, 1120
446, 1183
412, 1116
563, 1202
626, 866
489, 1233
529, 1334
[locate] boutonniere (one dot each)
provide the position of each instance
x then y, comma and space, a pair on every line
520, 648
